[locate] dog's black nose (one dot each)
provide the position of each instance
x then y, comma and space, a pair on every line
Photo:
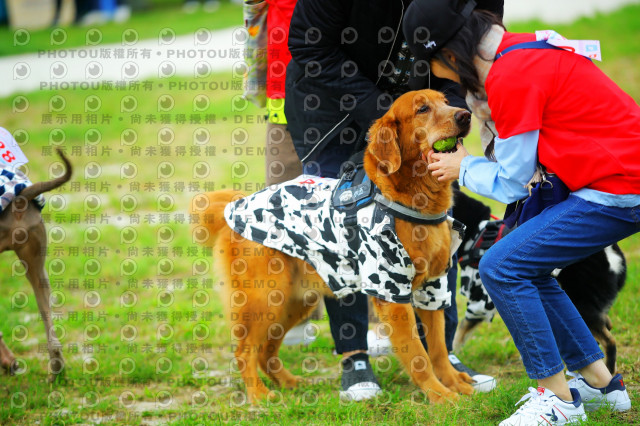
463, 117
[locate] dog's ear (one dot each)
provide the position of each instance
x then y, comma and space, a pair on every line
383, 142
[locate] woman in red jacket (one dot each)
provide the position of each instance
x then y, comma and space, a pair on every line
553, 107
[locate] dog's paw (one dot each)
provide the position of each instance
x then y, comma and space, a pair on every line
10, 367
56, 368
258, 395
437, 392
442, 397
463, 385
290, 382
459, 382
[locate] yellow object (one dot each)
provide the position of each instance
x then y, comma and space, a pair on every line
445, 144
275, 111
253, 31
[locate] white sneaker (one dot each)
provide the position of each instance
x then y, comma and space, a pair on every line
358, 381
545, 408
302, 333
615, 395
122, 14
190, 6
481, 382
211, 6
378, 346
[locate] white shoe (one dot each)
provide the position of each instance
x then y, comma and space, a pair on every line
190, 6
299, 335
122, 14
211, 6
615, 395
358, 381
94, 17
481, 382
378, 346
543, 407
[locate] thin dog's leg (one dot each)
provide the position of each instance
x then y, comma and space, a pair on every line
7, 359
455, 380
464, 331
31, 253
608, 343
407, 346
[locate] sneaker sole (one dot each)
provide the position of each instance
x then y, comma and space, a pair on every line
572, 420
360, 394
620, 406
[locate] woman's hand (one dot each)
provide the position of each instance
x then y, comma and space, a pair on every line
445, 166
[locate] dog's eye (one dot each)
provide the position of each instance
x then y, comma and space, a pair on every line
423, 109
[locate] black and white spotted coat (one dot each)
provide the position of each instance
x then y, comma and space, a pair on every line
12, 183
296, 217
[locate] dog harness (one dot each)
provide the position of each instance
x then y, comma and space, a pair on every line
11, 185
352, 249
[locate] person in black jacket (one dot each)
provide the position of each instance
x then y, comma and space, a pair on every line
349, 62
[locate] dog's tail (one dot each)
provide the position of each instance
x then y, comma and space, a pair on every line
31, 192
209, 208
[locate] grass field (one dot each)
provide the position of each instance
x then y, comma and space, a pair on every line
137, 309
142, 25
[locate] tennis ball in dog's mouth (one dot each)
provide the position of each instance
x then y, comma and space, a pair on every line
445, 144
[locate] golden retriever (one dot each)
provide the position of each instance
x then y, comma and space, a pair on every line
394, 161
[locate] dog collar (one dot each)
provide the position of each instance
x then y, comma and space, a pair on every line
400, 211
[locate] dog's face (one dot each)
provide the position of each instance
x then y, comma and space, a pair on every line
414, 123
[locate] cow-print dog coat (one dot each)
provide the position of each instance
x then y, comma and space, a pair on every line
479, 304
12, 182
297, 218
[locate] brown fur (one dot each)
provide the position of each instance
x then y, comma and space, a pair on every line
22, 230
261, 316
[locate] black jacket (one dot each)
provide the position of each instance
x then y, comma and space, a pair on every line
340, 49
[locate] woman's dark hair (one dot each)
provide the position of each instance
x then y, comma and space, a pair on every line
464, 47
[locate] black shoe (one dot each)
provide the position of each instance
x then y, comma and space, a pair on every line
481, 382
358, 381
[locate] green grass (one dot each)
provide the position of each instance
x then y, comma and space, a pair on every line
179, 376
143, 25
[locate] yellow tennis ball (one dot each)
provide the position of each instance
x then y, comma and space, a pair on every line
445, 144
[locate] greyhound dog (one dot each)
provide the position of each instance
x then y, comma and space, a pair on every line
22, 230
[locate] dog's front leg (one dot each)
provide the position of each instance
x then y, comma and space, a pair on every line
433, 323
407, 346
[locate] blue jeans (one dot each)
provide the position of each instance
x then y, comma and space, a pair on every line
545, 326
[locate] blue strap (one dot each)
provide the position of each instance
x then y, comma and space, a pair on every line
540, 44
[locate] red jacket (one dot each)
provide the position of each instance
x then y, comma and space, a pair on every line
278, 18
589, 128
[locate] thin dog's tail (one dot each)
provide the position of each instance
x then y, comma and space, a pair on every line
31, 192
209, 208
